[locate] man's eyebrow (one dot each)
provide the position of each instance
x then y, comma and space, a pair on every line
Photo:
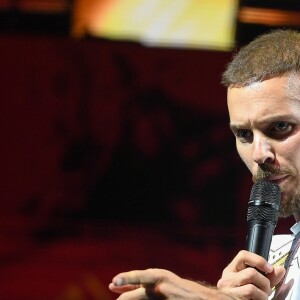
234, 126
266, 120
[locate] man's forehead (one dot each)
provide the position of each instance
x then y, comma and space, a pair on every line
270, 89
261, 101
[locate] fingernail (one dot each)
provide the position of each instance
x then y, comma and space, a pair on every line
119, 281
269, 268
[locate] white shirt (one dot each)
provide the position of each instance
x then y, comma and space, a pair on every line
289, 289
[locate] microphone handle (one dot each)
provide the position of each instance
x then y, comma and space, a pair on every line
259, 237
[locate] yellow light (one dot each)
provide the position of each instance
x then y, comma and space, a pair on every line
179, 23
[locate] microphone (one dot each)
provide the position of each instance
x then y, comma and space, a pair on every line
262, 216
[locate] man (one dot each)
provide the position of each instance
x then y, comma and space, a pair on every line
263, 82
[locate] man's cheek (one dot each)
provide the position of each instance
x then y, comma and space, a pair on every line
246, 158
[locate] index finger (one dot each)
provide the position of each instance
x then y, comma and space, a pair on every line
246, 259
149, 276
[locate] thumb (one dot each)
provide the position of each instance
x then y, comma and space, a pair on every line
276, 276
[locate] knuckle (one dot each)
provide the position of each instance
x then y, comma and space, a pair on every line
225, 271
159, 274
165, 274
150, 269
249, 290
153, 271
224, 283
221, 283
252, 273
242, 253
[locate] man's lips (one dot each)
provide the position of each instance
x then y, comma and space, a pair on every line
277, 178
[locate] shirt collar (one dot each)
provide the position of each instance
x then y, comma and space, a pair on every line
295, 228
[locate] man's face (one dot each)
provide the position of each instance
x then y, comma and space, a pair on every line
266, 123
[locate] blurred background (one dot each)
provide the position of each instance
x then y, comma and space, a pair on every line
115, 148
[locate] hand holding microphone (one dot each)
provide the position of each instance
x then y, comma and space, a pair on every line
262, 216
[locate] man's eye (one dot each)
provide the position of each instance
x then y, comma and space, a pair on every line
244, 135
281, 129
278, 126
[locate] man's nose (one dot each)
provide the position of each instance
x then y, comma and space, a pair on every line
262, 150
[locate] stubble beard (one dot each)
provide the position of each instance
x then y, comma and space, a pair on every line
290, 203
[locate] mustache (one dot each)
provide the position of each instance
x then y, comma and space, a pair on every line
267, 170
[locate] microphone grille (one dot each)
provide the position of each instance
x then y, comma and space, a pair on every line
261, 213
264, 202
265, 191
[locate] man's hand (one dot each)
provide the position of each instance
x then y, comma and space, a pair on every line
158, 284
249, 276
